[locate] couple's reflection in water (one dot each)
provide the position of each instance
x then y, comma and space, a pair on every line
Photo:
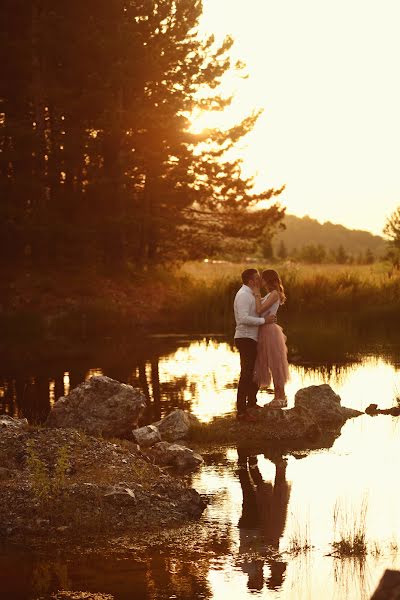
263, 520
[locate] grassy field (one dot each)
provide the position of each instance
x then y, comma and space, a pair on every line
196, 297
367, 294
211, 271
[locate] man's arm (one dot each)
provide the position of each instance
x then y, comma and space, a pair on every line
243, 304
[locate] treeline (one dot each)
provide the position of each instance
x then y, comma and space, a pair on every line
97, 161
318, 254
302, 232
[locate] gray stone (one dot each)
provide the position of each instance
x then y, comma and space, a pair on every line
147, 436
389, 586
180, 457
99, 406
121, 491
7, 422
324, 406
176, 425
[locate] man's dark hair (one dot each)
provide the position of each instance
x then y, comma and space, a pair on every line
248, 274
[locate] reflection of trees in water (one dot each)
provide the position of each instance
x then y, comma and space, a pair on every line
154, 576
334, 374
29, 390
176, 577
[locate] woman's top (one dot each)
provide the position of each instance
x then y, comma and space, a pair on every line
272, 310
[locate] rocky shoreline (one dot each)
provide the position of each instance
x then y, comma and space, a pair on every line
61, 485
91, 472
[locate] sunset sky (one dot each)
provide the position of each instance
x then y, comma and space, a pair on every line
326, 74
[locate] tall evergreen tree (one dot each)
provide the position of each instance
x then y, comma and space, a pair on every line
97, 161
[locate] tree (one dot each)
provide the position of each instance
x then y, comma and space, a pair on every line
98, 163
341, 255
369, 257
282, 251
392, 228
312, 253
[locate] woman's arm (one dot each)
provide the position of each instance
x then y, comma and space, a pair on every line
263, 306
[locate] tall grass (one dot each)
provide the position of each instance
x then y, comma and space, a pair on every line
350, 530
362, 295
300, 538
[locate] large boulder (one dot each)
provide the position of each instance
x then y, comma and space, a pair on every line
146, 436
175, 455
99, 406
176, 425
324, 405
389, 586
289, 424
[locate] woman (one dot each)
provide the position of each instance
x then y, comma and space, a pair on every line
271, 359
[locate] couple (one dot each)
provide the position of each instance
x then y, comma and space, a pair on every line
260, 341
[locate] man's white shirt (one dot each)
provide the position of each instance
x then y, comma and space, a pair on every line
247, 320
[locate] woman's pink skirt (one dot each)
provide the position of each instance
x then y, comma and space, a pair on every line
271, 362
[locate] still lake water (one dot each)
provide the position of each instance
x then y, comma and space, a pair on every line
239, 552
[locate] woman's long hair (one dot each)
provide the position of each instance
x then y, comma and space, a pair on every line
273, 282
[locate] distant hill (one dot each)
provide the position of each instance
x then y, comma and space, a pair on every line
304, 231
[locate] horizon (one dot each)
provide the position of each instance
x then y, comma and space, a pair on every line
328, 222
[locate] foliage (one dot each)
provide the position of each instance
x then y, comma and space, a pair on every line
366, 294
299, 232
40, 476
47, 485
392, 228
98, 164
311, 254
282, 252
350, 530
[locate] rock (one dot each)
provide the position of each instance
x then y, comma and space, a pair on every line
180, 457
121, 492
99, 406
294, 423
389, 586
300, 422
324, 406
176, 425
147, 436
7, 422
193, 503
373, 410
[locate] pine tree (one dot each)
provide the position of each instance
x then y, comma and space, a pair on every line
392, 228
341, 255
98, 163
282, 251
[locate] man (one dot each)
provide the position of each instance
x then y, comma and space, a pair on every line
246, 334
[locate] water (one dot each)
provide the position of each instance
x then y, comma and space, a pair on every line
237, 550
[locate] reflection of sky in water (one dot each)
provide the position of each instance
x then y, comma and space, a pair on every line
362, 466
212, 370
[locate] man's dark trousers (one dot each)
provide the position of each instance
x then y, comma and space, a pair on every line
247, 388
